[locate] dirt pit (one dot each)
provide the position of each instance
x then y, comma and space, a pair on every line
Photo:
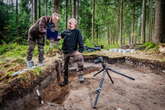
146, 92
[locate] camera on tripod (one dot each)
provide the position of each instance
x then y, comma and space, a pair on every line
99, 60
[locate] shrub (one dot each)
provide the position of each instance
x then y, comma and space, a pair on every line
149, 45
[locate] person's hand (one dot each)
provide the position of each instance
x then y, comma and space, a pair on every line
43, 31
52, 30
58, 37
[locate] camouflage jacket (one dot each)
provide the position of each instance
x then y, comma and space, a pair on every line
39, 28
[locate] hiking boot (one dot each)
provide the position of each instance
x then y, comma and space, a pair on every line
64, 83
41, 63
81, 78
30, 64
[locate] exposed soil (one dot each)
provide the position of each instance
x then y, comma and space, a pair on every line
147, 92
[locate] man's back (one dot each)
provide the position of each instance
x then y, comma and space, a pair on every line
40, 26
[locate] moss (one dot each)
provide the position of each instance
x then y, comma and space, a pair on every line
37, 71
6, 47
12, 58
19, 61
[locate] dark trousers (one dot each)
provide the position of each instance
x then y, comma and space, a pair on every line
78, 58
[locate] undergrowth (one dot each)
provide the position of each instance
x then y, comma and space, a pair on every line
99, 42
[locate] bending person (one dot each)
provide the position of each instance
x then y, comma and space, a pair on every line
36, 35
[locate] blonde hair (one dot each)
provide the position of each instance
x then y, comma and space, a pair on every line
72, 20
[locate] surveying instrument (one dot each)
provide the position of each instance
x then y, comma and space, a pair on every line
104, 72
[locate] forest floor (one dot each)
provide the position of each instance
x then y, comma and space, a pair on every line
146, 92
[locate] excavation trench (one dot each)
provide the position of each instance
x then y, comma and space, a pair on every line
146, 92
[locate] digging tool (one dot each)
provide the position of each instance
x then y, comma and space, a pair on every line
39, 96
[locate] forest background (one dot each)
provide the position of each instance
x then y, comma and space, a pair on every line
112, 23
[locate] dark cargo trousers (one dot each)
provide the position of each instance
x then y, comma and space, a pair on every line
78, 58
40, 41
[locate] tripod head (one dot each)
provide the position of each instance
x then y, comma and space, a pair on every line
99, 60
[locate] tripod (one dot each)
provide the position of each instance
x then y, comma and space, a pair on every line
105, 70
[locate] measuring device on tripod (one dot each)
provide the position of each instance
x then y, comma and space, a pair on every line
105, 71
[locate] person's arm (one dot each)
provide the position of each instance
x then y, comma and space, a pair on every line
80, 42
62, 34
42, 25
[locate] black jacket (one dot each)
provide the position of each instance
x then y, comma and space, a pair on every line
72, 41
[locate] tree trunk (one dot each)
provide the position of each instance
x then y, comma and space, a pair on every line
16, 11
149, 21
97, 34
34, 10
77, 14
46, 7
133, 26
159, 36
66, 13
93, 19
121, 23
12, 4
56, 6
143, 28
39, 8
118, 23
108, 35
152, 22
70, 8
74, 9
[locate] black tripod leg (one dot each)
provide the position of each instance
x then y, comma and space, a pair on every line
98, 72
110, 77
98, 90
121, 74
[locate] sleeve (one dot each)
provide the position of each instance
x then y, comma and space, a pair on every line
62, 34
42, 25
80, 42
